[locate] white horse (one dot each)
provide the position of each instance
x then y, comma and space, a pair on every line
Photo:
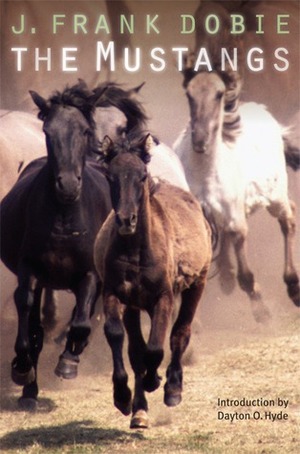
120, 112
21, 141
235, 163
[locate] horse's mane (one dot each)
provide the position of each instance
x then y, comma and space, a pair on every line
123, 100
83, 99
232, 120
78, 96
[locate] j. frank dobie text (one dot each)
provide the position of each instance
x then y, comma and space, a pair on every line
150, 23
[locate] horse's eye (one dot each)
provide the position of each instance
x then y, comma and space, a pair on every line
87, 132
144, 177
121, 131
219, 95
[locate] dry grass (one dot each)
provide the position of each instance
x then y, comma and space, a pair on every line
79, 417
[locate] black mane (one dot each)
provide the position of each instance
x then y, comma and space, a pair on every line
78, 96
115, 96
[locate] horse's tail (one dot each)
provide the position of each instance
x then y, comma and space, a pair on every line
292, 153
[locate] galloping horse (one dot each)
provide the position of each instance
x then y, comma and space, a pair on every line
49, 222
118, 112
234, 160
267, 85
154, 245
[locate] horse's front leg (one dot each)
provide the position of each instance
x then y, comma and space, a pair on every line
246, 278
22, 371
225, 267
114, 332
28, 401
160, 317
29, 342
86, 293
290, 276
136, 351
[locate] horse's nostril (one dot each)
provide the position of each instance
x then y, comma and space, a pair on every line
133, 219
60, 183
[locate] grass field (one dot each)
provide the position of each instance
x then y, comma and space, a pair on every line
78, 416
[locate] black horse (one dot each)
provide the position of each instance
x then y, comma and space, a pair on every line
49, 221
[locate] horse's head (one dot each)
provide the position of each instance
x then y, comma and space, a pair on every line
205, 93
69, 130
127, 175
118, 111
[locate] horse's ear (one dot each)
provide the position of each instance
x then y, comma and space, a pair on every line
135, 90
40, 102
188, 68
147, 145
82, 83
98, 93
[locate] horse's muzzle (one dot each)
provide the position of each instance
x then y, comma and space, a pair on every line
127, 225
68, 189
200, 147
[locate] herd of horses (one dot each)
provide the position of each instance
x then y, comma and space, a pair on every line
112, 215
108, 211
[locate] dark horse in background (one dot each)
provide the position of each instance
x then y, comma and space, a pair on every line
155, 245
49, 222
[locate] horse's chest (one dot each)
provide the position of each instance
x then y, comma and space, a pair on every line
136, 286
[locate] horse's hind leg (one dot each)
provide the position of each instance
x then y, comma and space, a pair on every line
246, 279
179, 340
286, 218
49, 310
136, 351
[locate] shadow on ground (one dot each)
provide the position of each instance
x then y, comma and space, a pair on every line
77, 432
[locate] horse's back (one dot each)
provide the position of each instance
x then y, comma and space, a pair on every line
260, 146
166, 165
190, 233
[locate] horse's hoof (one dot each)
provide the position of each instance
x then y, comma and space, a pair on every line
67, 368
261, 313
294, 293
151, 383
28, 404
22, 378
172, 397
139, 420
123, 403
227, 283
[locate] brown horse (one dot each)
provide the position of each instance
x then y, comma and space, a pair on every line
154, 245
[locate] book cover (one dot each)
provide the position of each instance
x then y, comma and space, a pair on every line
240, 388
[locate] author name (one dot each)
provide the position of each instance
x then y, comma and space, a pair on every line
150, 23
